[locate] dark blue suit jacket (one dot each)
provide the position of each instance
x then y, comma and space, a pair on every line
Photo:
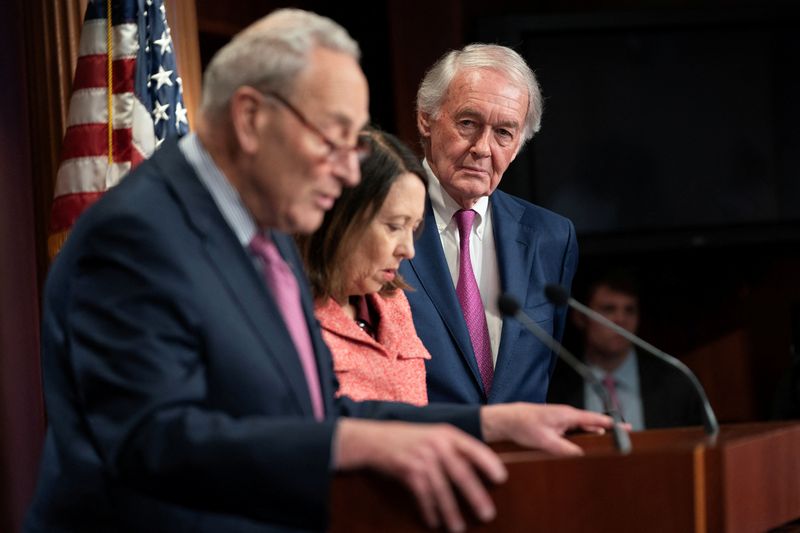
534, 247
175, 398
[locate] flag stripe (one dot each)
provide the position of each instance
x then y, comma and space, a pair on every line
66, 209
125, 41
87, 106
91, 73
136, 156
89, 174
90, 140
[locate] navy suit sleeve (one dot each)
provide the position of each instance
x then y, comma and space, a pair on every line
464, 417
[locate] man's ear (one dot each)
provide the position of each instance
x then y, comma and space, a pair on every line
247, 121
424, 124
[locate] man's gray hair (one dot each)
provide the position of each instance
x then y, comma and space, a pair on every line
436, 82
270, 53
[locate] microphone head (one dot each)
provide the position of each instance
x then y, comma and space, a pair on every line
508, 305
556, 294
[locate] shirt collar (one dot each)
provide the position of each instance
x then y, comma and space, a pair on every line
223, 193
625, 375
444, 207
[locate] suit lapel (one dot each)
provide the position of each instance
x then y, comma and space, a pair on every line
235, 269
512, 243
430, 267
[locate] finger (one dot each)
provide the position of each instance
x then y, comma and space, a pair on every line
593, 430
586, 420
445, 500
423, 493
463, 475
483, 458
601, 430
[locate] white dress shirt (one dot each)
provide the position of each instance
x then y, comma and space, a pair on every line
481, 249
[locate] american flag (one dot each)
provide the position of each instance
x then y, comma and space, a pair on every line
145, 106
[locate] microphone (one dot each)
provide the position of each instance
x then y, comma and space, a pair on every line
559, 296
510, 307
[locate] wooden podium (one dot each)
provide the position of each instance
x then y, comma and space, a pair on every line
674, 480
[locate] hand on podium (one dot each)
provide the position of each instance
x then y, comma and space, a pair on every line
540, 426
433, 459
429, 459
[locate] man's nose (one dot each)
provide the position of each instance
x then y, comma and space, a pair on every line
623, 320
347, 169
480, 147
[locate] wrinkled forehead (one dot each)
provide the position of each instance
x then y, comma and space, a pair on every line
487, 87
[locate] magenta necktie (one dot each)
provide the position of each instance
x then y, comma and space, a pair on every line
283, 284
611, 388
469, 296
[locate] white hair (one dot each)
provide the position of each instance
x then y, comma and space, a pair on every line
436, 82
270, 53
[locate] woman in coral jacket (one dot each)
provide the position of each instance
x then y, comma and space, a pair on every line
352, 263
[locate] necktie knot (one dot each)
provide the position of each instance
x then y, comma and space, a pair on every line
464, 220
264, 248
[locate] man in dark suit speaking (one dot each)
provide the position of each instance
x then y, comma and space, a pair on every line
476, 108
186, 381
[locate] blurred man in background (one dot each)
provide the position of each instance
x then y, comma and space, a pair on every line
648, 392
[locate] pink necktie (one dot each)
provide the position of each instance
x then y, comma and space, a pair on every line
611, 387
469, 296
281, 281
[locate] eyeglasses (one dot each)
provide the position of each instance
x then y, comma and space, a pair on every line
335, 150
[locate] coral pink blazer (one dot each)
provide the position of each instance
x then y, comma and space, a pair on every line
391, 368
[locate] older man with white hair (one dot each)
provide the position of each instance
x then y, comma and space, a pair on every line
476, 108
